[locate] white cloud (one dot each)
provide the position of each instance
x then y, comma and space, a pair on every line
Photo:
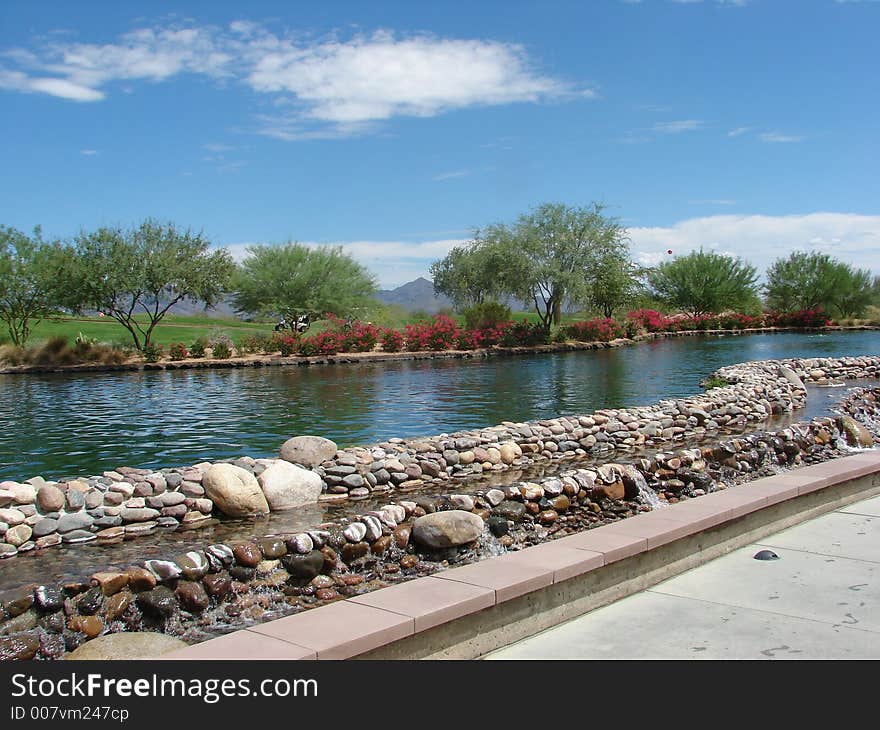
738, 131
683, 125
777, 138
760, 239
88, 152
451, 175
329, 87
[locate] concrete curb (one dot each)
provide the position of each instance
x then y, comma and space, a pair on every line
466, 612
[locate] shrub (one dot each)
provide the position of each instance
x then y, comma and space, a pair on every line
736, 321
322, 343
57, 351
800, 318
524, 334
649, 320
714, 382
252, 344
391, 340
152, 352
197, 349
600, 329
11, 355
441, 334
287, 345
177, 351
486, 315
357, 337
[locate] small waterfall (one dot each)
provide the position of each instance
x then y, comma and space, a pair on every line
488, 546
646, 495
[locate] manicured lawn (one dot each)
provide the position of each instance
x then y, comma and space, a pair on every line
170, 329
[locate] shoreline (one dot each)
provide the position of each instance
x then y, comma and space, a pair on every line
403, 356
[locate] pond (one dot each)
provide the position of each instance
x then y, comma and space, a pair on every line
74, 425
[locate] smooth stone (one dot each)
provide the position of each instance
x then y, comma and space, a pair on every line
192, 596
77, 536
127, 645
234, 491
158, 603
286, 485
306, 566
110, 582
74, 521
50, 499
447, 529
309, 451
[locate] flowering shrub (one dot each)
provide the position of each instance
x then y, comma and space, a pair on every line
441, 334
392, 340
523, 334
801, 318
251, 344
323, 343
649, 320
286, 344
600, 329
177, 351
358, 337
735, 321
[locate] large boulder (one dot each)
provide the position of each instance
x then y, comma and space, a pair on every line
127, 645
856, 434
308, 450
286, 485
447, 529
234, 491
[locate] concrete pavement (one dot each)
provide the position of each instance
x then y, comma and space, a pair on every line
820, 600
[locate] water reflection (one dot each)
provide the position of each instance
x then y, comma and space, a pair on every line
63, 425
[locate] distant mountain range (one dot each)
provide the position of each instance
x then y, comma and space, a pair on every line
415, 295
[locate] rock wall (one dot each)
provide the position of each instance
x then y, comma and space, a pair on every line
127, 502
198, 593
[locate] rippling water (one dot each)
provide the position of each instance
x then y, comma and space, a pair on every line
65, 425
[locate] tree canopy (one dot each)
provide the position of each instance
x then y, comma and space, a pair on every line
292, 279
552, 256
136, 275
705, 282
27, 281
817, 281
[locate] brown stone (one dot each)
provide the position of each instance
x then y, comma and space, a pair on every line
560, 503
330, 559
326, 594
354, 551
548, 517
140, 579
192, 596
91, 626
401, 535
18, 647
217, 584
380, 546
110, 582
409, 561
111, 535
50, 498
609, 491
117, 603
272, 547
246, 554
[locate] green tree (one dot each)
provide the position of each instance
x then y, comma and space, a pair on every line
703, 283
473, 273
292, 279
817, 281
614, 282
137, 275
27, 281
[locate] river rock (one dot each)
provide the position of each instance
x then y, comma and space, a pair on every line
286, 485
110, 582
192, 596
309, 451
18, 535
74, 521
305, 567
19, 647
447, 529
50, 498
856, 434
158, 603
127, 645
234, 491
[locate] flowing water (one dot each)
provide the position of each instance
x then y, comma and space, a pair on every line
76, 425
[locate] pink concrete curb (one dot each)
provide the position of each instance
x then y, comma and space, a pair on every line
350, 627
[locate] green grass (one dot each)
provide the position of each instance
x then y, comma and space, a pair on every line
170, 329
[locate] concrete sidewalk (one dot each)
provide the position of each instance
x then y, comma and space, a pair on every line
820, 600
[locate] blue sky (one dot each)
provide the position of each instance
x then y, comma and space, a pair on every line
397, 128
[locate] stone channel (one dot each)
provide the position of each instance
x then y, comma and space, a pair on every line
217, 587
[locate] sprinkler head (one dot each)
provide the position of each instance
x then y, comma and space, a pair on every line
766, 555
